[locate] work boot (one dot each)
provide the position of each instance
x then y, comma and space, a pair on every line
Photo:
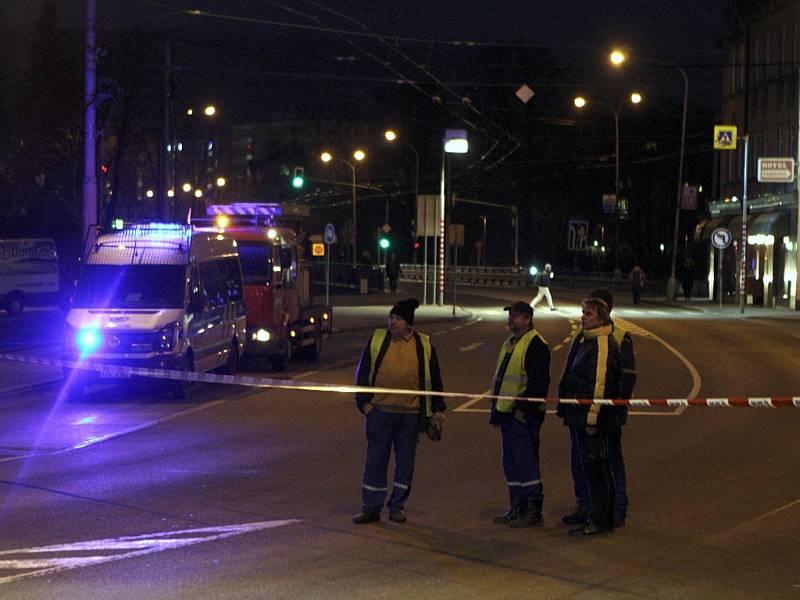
512, 513
367, 516
590, 529
579, 517
532, 516
397, 516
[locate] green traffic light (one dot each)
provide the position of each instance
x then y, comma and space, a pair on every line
384, 243
297, 182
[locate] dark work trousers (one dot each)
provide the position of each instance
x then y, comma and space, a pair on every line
520, 435
594, 455
616, 463
384, 431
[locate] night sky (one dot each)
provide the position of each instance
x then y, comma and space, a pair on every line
576, 33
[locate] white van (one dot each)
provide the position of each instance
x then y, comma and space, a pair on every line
157, 296
28, 274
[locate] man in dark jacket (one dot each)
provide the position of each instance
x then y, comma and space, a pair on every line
615, 458
593, 371
523, 370
399, 358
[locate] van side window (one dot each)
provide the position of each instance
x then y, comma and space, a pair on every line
233, 280
214, 283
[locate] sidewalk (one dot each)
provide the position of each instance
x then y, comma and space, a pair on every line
729, 310
368, 311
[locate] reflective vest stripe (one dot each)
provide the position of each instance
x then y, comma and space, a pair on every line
600, 378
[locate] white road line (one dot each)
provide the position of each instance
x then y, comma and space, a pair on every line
471, 347
471, 402
775, 511
108, 550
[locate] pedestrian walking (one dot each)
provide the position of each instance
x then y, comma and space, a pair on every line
401, 358
615, 458
593, 371
542, 281
523, 370
393, 271
687, 279
637, 279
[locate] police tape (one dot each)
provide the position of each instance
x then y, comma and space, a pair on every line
112, 371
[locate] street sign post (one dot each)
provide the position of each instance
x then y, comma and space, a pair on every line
330, 238
721, 238
776, 170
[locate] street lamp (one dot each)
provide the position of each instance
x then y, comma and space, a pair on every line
617, 58
358, 155
635, 98
455, 142
390, 136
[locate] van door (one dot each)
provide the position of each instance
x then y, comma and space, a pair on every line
209, 346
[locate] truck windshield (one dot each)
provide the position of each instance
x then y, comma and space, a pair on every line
256, 262
131, 286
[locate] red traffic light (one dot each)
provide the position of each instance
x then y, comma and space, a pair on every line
416, 245
104, 168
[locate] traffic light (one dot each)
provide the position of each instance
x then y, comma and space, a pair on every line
103, 168
298, 179
416, 244
384, 243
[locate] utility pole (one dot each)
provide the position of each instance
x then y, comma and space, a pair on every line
89, 134
163, 154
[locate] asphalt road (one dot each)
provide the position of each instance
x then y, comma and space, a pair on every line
248, 493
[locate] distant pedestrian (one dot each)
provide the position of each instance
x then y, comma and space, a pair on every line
393, 271
542, 281
687, 279
523, 370
615, 458
400, 358
637, 279
593, 371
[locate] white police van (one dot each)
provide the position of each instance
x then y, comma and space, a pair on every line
160, 295
28, 273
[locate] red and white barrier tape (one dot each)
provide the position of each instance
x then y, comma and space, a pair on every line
125, 372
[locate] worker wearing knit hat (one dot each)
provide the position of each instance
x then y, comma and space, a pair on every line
398, 358
405, 310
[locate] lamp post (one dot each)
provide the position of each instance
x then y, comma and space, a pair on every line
455, 142
635, 98
390, 136
617, 58
358, 155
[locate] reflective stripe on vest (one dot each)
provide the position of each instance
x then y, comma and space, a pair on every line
515, 379
378, 338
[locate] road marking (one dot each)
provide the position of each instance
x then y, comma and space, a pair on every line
471, 347
471, 402
777, 510
112, 549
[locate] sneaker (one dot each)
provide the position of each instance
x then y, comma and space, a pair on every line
367, 516
397, 516
579, 517
554, 308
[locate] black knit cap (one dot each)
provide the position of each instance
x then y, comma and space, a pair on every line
605, 295
405, 310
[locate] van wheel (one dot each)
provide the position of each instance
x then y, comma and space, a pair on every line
314, 351
232, 364
279, 362
180, 389
14, 304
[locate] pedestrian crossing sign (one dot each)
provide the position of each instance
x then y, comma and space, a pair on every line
724, 137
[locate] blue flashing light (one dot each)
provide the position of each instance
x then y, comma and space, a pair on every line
88, 340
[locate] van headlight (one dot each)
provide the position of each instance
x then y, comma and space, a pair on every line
262, 335
168, 337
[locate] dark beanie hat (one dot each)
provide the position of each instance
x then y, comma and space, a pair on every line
605, 295
405, 310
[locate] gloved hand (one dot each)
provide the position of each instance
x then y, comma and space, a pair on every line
435, 427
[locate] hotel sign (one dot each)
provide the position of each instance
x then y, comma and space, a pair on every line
776, 170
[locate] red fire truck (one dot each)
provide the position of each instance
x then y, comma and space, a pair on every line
282, 322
